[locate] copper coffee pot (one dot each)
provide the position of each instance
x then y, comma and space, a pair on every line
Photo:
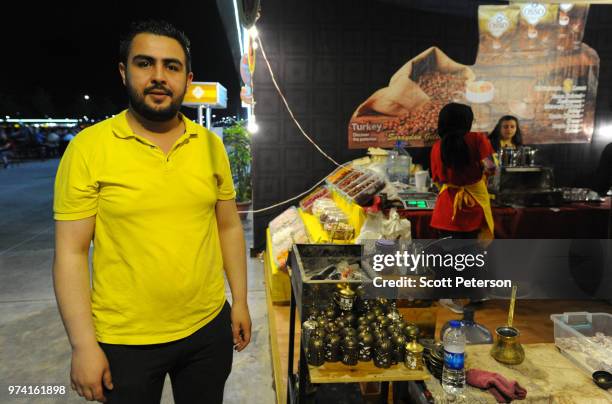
507, 348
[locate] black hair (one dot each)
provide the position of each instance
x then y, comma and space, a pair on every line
155, 27
454, 121
495, 136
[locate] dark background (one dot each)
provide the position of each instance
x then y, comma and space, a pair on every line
329, 56
53, 53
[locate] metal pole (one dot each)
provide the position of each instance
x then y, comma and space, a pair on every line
208, 118
201, 114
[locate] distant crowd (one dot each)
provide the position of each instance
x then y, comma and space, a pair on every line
33, 143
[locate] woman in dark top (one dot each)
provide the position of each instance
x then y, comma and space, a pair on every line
507, 133
603, 176
460, 162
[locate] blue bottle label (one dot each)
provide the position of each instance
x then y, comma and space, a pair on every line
453, 360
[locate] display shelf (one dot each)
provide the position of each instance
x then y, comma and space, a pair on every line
280, 289
280, 382
364, 372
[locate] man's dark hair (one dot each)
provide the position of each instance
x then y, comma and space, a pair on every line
155, 27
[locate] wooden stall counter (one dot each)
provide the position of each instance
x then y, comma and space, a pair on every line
547, 375
363, 372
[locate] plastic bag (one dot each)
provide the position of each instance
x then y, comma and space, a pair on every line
372, 227
395, 227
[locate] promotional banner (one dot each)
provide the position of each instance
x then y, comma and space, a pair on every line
531, 63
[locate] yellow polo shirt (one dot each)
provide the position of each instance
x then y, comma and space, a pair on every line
157, 263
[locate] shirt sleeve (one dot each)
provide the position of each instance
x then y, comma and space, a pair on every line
485, 149
225, 183
76, 192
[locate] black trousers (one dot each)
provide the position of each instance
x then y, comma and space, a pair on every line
198, 366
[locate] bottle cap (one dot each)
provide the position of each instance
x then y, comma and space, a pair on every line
454, 323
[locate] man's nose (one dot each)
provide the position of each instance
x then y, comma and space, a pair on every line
159, 75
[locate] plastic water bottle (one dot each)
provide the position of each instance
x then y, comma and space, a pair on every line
453, 373
398, 164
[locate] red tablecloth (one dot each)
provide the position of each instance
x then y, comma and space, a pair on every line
577, 220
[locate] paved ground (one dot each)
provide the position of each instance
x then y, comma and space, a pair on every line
34, 348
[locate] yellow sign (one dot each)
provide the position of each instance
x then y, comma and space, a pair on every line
209, 95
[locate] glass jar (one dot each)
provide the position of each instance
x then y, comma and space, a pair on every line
365, 342
414, 355
350, 351
316, 352
382, 354
332, 348
399, 348
344, 297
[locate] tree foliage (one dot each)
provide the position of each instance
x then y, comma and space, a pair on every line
237, 141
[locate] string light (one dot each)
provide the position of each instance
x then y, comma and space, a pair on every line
252, 125
253, 128
293, 198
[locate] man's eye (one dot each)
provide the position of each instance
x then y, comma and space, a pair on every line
143, 63
173, 68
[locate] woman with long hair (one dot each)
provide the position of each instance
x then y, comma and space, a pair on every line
460, 162
506, 133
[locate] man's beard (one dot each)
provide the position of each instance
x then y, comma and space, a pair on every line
138, 104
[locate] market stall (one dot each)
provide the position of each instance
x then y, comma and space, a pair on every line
325, 327
330, 217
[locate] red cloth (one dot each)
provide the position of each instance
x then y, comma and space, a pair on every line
468, 218
502, 389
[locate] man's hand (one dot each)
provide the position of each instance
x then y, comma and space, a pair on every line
89, 370
241, 326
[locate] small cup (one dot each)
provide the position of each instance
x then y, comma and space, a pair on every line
420, 180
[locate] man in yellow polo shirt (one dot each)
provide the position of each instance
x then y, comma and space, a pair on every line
154, 192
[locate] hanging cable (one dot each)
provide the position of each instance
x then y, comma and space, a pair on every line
263, 52
293, 198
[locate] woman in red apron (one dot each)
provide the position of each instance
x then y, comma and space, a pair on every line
460, 162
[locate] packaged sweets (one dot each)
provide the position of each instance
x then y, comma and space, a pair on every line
307, 203
357, 177
368, 176
364, 197
285, 230
320, 205
570, 25
339, 174
497, 27
284, 219
333, 215
339, 231
537, 26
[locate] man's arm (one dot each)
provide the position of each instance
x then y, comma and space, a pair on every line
72, 290
233, 250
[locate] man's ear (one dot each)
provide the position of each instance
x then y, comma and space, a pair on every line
189, 78
122, 72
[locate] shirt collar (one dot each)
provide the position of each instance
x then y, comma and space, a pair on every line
121, 128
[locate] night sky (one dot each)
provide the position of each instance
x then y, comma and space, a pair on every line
54, 53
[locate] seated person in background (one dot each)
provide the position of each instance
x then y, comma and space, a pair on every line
603, 176
5, 148
506, 134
